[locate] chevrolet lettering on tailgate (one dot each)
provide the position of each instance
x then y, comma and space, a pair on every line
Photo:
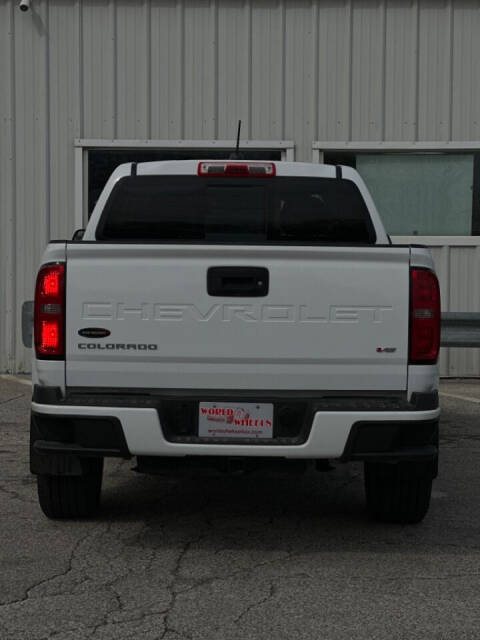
231, 312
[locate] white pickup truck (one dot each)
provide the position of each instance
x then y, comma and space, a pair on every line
235, 313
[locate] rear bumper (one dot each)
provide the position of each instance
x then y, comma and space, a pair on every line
344, 435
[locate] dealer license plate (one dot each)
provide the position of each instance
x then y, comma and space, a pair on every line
235, 420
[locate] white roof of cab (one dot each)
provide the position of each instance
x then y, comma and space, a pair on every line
190, 167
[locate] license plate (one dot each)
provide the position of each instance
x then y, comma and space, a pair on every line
235, 420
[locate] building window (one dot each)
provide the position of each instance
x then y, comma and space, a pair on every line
102, 162
423, 194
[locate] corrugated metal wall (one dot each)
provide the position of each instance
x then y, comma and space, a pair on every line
459, 273
302, 70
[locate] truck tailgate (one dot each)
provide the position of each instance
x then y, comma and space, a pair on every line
334, 318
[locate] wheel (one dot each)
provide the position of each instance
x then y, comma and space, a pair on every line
398, 492
71, 496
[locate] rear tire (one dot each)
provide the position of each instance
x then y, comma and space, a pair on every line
71, 496
399, 492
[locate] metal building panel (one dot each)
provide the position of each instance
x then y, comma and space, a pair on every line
234, 68
441, 258
368, 49
464, 261
200, 96
443, 362
32, 155
472, 356
458, 267
466, 72
268, 69
65, 99
333, 106
167, 71
132, 30
7, 191
300, 72
400, 70
434, 78
99, 70
188, 69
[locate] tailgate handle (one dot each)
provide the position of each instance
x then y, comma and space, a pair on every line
247, 282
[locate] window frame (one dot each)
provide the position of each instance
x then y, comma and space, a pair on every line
319, 148
83, 146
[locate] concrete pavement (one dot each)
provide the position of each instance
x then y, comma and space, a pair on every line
235, 558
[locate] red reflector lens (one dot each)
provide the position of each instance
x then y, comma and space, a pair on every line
424, 317
51, 283
49, 312
50, 335
237, 170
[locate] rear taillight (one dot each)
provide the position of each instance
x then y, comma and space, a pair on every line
237, 169
424, 316
49, 318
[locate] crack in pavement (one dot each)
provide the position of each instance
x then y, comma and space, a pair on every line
234, 574
138, 618
22, 395
261, 602
119, 606
63, 573
171, 586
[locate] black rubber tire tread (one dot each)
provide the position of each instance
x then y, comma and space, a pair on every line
398, 493
71, 496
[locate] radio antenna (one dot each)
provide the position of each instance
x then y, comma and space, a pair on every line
237, 155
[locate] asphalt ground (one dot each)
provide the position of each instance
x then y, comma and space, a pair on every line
233, 557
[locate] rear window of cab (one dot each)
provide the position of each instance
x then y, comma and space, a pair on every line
247, 210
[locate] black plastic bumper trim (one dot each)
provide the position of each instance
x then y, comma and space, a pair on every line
425, 401
324, 400
64, 444
47, 395
392, 441
421, 453
51, 447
